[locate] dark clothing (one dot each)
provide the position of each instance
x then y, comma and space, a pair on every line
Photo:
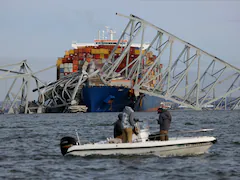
117, 128
164, 120
117, 132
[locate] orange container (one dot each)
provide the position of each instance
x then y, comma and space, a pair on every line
75, 66
75, 51
75, 61
88, 59
88, 50
64, 60
110, 48
96, 56
80, 55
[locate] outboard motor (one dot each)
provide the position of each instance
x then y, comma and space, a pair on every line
67, 142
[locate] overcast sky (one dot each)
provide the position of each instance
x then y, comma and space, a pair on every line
41, 30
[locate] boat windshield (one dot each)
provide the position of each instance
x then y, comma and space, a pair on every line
144, 125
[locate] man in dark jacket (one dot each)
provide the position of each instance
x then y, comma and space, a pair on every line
118, 127
164, 121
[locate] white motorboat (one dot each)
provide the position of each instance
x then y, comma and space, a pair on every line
144, 144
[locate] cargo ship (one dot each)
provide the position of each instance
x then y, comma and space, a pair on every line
95, 95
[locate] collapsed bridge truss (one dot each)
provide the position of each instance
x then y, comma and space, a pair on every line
180, 72
189, 75
21, 75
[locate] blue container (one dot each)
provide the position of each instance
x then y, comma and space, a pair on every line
61, 70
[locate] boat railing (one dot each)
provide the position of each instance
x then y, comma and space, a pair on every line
184, 133
79, 143
179, 134
83, 140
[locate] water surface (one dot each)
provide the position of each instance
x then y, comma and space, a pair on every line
29, 148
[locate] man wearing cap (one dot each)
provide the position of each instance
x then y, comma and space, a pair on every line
164, 121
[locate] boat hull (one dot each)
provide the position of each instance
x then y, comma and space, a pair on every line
173, 147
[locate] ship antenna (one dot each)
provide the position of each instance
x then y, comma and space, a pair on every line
103, 35
112, 33
107, 30
99, 35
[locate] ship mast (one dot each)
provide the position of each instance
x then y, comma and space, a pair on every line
110, 32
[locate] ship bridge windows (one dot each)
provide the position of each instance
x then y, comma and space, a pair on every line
109, 43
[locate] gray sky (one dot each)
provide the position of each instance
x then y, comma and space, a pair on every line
41, 30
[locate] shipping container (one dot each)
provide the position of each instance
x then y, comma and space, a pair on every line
88, 59
137, 51
66, 56
101, 56
75, 62
59, 62
71, 51
66, 53
75, 51
96, 56
118, 51
61, 70
70, 67
104, 51
88, 49
64, 60
75, 66
95, 51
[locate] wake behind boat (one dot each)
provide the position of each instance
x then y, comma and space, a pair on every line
144, 144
